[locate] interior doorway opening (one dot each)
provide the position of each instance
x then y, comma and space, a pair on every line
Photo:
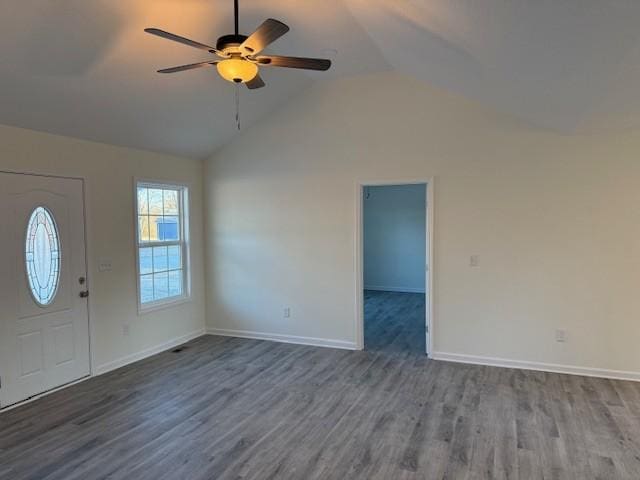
394, 276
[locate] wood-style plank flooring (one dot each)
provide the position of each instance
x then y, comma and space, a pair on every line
227, 408
394, 322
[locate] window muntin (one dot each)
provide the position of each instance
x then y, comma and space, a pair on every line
162, 249
42, 256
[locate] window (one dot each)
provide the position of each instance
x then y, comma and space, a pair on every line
162, 243
42, 256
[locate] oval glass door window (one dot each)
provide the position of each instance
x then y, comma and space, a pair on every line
42, 256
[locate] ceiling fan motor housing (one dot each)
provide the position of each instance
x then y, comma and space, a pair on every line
230, 43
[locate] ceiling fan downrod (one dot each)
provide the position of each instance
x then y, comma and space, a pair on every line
235, 16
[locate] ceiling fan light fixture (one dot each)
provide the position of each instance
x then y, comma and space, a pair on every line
237, 70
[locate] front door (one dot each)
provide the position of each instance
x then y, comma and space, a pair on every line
44, 327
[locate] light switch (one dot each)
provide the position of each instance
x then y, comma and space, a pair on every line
474, 261
104, 265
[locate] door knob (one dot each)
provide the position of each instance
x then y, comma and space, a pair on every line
84, 294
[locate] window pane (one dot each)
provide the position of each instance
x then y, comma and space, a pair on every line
146, 261
160, 259
146, 288
175, 257
143, 201
155, 201
42, 255
153, 228
160, 220
175, 283
170, 202
143, 228
160, 285
168, 228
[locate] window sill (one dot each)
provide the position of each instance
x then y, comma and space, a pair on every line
162, 305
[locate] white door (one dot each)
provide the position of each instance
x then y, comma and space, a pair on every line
44, 327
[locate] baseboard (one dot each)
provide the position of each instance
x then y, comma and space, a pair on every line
134, 357
378, 288
539, 366
274, 337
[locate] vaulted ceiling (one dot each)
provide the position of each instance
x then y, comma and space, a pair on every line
86, 69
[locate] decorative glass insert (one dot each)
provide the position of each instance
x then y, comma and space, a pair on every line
162, 248
42, 256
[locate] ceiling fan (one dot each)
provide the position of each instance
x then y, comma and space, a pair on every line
239, 55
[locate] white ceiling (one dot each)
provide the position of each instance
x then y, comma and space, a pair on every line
86, 69
553, 62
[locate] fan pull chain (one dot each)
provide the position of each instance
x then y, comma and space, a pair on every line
238, 105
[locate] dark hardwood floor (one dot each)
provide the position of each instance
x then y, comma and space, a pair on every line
394, 322
228, 408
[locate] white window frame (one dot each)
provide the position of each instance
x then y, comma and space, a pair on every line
184, 242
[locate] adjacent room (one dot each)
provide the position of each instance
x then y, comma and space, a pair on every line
354, 239
395, 268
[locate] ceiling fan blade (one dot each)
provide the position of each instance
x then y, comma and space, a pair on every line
257, 82
267, 33
191, 66
179, 39
294, 62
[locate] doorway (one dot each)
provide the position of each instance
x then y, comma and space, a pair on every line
394, 267
44, 320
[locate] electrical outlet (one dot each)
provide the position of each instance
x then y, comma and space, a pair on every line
125, 330
561, 336
474, 260
287, 312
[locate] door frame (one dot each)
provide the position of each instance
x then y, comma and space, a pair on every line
88, 255
359, 255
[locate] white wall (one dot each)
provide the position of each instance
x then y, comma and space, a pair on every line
554, 219
109, 173
394, 238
